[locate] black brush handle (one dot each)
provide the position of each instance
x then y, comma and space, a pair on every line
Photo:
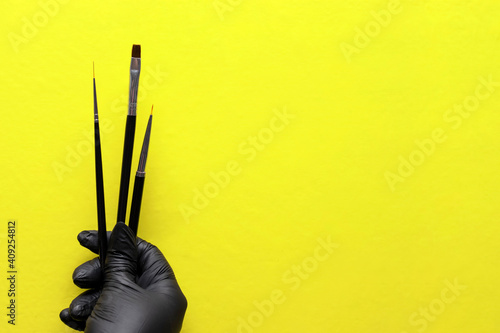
135, 209
101, 211
128, 147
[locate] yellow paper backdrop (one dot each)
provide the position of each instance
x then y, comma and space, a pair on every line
355, 145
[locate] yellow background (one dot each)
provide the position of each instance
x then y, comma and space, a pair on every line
216, 78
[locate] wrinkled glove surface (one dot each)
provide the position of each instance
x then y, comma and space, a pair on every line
137, 294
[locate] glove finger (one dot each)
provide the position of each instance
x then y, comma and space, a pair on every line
89, 239
152, 265
68, 320
121, 259
83, 304
88, 275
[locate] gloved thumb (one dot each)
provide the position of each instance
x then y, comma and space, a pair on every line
121, 258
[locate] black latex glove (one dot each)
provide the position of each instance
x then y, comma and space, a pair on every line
139, 293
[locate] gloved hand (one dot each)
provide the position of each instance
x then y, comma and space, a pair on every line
139, 291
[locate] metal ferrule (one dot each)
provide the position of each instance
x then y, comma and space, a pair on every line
135, 72
140, 174
145, 148
96, 117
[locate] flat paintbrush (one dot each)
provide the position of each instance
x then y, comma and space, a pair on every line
140, 176
128, 145
101, 211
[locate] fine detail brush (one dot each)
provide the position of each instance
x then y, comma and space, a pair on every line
140, 176
128, 145
101, 212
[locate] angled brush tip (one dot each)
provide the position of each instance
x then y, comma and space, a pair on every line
136, 51
152, 109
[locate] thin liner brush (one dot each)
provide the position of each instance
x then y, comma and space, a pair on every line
99, 182
128, 145
140, 176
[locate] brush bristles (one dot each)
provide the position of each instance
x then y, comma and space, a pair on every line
136, 51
